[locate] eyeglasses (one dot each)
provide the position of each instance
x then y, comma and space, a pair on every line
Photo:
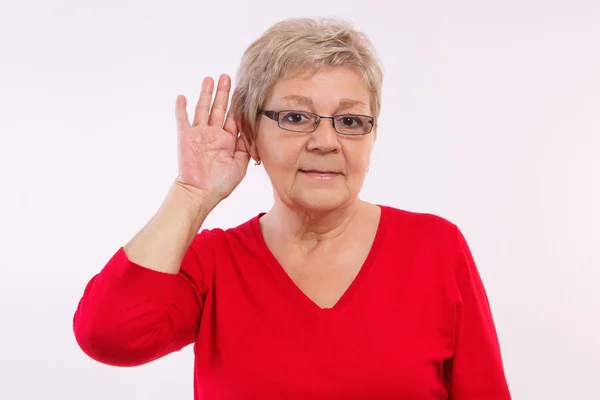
303, 121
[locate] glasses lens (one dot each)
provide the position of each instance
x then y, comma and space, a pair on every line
351, 124
298, 121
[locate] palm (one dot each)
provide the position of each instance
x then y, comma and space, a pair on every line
212, 157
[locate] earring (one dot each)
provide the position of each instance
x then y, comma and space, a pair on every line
257, 162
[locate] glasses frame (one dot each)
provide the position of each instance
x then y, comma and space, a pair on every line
274, 115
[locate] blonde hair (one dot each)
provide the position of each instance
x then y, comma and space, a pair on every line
297, 44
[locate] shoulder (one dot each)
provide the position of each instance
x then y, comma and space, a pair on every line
421, 233
426, 233
221, 246
421, 224
430, 245
220, 240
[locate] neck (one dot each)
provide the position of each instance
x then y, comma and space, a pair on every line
309, 227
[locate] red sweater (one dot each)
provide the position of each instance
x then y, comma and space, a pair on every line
415, 324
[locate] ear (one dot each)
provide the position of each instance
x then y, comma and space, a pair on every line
374, 132
247, 138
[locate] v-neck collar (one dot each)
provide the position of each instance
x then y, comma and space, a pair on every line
294, 290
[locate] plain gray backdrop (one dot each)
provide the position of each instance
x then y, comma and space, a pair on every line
490, 118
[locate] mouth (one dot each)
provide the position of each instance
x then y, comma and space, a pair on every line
320, 174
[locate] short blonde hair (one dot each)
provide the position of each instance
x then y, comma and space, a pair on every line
297, 44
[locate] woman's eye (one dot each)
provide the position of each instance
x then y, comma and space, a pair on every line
351, 121
295, 118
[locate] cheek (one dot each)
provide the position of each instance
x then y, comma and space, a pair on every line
280, 155
358, 158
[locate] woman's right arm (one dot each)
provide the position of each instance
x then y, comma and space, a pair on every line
147, 300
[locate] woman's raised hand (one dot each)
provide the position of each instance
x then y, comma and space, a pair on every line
212, 156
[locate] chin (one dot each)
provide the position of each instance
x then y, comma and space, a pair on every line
322, 200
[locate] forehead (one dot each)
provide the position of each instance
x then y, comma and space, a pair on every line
325, 87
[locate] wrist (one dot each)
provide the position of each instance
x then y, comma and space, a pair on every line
196, 200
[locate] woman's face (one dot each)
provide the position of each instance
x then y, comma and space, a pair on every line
319, 170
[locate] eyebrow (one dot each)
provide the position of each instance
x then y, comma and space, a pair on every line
344, 103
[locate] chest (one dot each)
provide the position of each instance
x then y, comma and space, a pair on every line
323, 278
388, 340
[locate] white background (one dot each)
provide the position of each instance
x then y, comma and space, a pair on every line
491, 118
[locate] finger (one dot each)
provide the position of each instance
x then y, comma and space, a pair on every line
181, 115
219, 107
230, 125
203, 105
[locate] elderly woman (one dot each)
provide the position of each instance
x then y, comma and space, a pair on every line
325, 296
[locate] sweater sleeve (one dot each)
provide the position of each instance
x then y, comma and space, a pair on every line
476, 370
130, 315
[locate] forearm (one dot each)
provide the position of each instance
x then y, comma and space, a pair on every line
138, 308
163, 242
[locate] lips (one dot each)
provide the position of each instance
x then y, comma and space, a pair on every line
320, 174
318, 171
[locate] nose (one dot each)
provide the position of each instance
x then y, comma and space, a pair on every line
324, 139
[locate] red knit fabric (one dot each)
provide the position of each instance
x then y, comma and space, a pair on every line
414, 324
